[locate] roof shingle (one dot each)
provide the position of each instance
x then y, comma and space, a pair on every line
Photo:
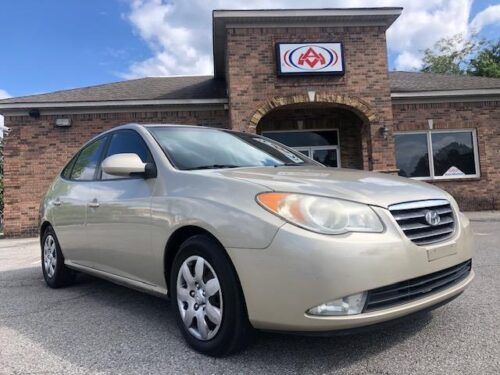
151, 88
207, 87
418, 81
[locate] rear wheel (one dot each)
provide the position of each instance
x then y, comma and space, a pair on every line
209, 305
55, 273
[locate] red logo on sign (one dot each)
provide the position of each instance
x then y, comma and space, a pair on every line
311, 58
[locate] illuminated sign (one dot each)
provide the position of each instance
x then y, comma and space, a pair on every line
309, 58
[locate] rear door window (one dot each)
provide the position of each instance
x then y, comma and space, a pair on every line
66, 173
87, 160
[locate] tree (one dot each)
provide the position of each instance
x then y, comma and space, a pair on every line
450, 55
458, 55
487, 62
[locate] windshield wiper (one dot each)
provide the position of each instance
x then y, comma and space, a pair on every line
288, 165
213, 166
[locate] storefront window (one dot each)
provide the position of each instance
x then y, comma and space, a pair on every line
412, 156
454, 154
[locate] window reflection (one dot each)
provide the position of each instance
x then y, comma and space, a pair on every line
412, 157
326, 157
453, 154
88, 158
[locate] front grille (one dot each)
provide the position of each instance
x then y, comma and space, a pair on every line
412, 289
411, 217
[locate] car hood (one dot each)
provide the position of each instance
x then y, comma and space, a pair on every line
354, 185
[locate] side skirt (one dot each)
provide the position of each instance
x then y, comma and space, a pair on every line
120, 280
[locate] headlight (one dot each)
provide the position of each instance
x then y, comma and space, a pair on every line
321, 215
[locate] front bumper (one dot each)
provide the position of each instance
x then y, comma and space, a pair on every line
301, 269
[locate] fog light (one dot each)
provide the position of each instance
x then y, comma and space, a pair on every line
349, 305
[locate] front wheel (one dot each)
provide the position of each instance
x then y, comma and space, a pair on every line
55, 273
209, 305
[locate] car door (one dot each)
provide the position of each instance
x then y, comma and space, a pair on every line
119, 214
70, 197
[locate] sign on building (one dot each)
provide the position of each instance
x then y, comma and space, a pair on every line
309, 58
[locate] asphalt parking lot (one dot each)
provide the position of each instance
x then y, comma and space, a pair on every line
97, 327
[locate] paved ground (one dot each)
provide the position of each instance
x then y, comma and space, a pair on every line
97, 327
487, 216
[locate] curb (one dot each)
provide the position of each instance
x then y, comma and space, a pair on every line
483, 216
485, 220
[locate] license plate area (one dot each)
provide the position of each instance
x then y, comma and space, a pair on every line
441, 252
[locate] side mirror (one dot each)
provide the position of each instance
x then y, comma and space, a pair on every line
125, 165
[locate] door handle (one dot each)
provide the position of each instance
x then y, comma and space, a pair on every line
93, 204
57, 202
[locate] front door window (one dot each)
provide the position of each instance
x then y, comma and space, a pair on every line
320, 145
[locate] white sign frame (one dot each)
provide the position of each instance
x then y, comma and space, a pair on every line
296, 59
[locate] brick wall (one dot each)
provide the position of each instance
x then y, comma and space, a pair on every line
472, 194
35, 151
252, 78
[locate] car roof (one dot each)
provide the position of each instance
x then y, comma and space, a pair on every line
134, 125
171, 125
183, 126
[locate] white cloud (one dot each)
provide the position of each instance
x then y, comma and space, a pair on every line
3, 95
408, 60
421, 25
179, 32
490, 15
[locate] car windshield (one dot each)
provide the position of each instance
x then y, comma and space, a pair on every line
205, 148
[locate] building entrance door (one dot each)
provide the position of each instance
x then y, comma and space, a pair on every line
320, 145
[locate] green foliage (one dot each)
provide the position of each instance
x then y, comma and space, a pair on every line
487, 62
458, 55
450, 55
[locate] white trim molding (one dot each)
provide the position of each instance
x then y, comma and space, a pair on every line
113, 103
445, 93
311, 12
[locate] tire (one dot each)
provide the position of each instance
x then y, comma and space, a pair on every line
226, 332
55, 273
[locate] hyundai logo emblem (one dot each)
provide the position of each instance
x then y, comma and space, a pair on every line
432, 218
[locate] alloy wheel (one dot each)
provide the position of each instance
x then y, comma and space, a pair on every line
50, 255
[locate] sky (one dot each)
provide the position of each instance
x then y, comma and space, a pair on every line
48, 45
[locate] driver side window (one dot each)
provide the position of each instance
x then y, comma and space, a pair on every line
127, 142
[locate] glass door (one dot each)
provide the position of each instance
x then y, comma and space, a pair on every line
320, 145
304, 150
326, 155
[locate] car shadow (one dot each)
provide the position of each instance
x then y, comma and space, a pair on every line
97, 326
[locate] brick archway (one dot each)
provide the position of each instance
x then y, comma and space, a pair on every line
361, 108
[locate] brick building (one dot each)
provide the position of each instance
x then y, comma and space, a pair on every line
316, 80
